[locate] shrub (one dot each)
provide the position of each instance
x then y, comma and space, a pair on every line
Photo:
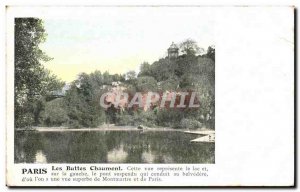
189, 124
169, 117
26, 120
74, 124
54, 113
124, 119
147, 118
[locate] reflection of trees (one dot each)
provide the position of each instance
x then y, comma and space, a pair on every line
75, 147
134, 146
159, 159
113, 139
90, 148
57, 146
176, 147
134, 154
93, 147
167, 147
26, 146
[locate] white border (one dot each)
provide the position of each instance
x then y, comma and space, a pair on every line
93, 2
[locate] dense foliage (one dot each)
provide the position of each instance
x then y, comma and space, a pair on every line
79, 105
189, 72
32, 81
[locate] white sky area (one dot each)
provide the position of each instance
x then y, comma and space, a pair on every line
119, 39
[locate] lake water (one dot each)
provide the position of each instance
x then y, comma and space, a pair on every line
111, 147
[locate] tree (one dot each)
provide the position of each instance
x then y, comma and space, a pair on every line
162, 69
31, 79
145, 69
170, 84
131, 75
55, 113
211, 52
107, 78
82, 102
190, 47
146, 83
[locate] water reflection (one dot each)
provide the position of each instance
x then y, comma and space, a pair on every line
110, 147
148, 157
40, 157
117, 155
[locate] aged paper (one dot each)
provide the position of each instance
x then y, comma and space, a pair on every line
150, 96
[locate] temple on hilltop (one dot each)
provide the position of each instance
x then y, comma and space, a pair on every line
173, 51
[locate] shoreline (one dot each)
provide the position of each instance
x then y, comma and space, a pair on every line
204, 135
114, 128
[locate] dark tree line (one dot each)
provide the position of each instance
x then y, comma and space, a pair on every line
32, 80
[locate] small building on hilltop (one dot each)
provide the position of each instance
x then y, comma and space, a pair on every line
173, 51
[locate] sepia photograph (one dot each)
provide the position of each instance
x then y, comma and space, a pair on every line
115, 85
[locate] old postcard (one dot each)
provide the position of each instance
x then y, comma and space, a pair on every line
149, 96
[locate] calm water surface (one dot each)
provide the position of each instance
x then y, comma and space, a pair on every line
111, 147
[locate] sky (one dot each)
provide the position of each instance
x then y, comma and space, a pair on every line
119, 39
